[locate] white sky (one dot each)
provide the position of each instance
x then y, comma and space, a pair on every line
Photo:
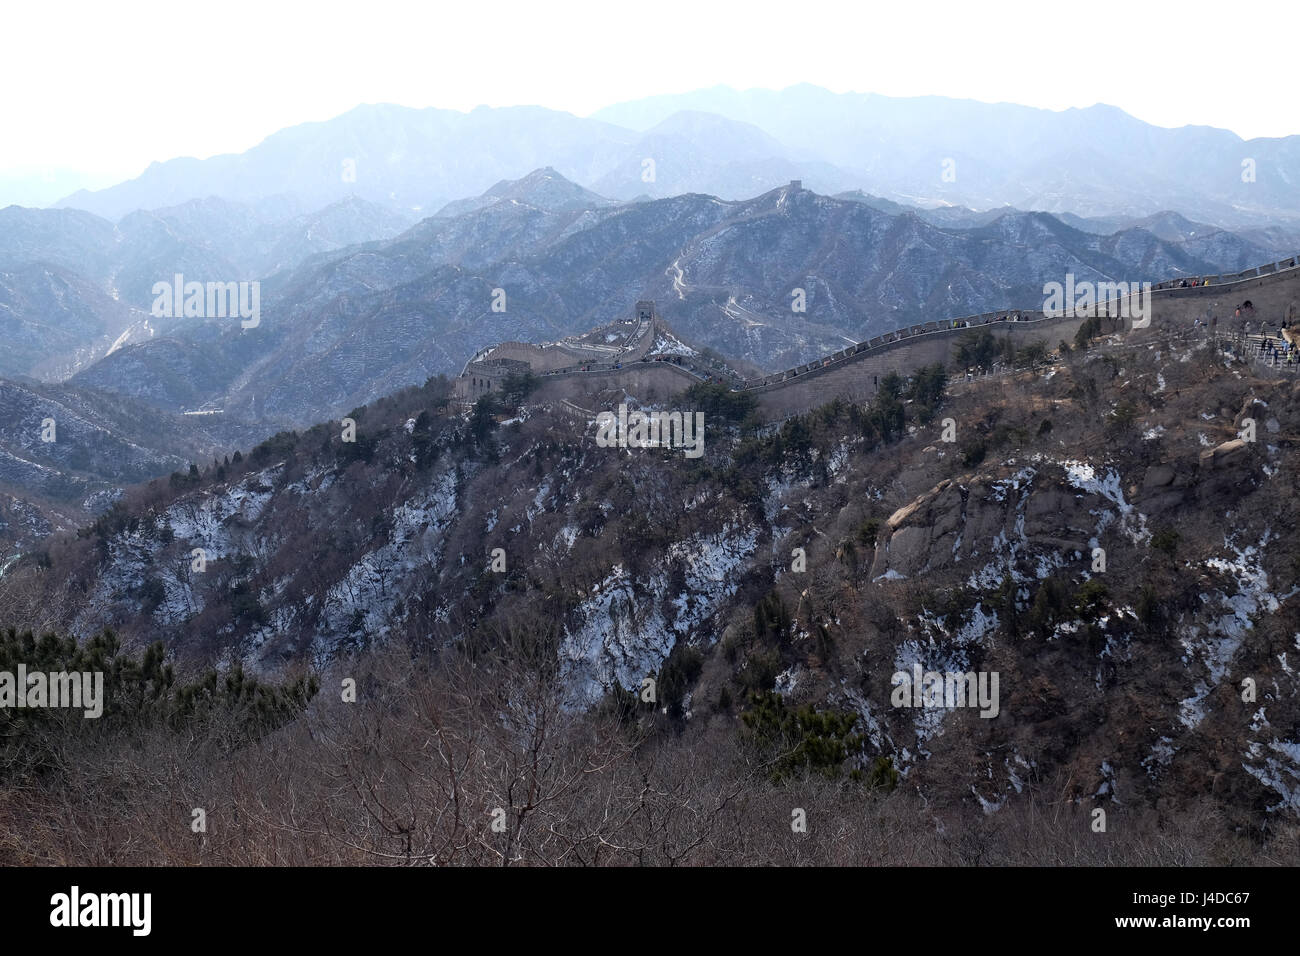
107, 87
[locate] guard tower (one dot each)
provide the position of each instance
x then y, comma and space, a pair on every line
486, 375
645, 311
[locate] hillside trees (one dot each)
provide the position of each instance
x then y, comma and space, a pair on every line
140, 693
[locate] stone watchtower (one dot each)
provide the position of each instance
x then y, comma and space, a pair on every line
645, 310
486, 376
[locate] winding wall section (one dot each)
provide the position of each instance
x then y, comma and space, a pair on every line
1272, 292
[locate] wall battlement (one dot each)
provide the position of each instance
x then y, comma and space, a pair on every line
1269, 292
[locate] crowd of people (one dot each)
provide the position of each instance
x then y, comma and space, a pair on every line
1272, 347
1277, 351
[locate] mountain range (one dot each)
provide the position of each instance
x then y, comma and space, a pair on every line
927, 151
357, 302
348, 326
627, 651
73, 285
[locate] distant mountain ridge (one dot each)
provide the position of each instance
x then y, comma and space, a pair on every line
1093, 161
358, 323
72, 284
926, 151
544, 188
347, 325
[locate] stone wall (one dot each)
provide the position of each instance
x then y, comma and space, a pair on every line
646, 381
1274, 296
556, 355
857, 377
540, 358
855, 373
486, 376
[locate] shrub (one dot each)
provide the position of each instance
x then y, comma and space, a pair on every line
137, 693
517, 386
881, 776
1031, 354
771, 620
1147, 608
677, 676
1166, 540
1089, 600
1049, 607
244, 604
869, 531
278, 445
1124, 415
482, 420
1089, 330
760, 670
976, 350
801, 741
716, 400
926, 389
886, 413
152, 593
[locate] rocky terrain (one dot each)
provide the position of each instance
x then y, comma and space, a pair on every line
66, 453
347, 321
1095, 532
74, 287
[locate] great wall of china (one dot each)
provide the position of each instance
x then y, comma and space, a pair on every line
582, 372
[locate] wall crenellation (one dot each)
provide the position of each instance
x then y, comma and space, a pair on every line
1271, 290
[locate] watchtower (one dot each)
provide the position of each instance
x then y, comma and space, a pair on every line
485, 376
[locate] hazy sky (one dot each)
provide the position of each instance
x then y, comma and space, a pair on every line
110, 87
